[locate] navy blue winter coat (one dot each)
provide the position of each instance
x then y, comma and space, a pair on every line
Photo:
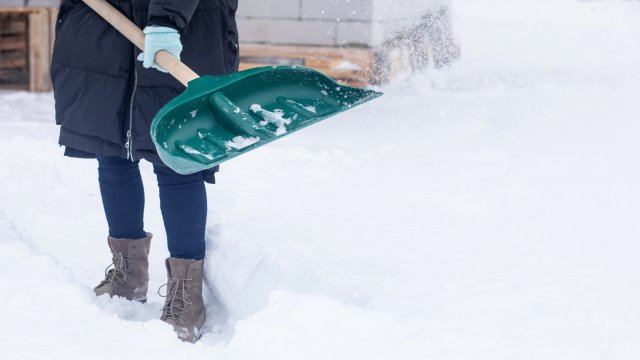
105, 100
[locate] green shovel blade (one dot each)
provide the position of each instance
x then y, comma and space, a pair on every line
220, 117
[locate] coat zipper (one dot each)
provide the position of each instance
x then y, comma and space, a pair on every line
129, 144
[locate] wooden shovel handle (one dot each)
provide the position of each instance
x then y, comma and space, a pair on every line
175, 67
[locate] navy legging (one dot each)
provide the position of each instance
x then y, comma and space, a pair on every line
183, 202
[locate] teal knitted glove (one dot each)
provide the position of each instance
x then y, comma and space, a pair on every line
159, 38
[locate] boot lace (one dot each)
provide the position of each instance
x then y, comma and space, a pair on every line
177, 299
118, 275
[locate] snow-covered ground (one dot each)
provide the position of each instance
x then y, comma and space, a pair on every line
485, 211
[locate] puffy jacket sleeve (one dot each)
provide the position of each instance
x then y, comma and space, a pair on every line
172, 13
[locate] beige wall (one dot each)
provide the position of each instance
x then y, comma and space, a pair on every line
329, 22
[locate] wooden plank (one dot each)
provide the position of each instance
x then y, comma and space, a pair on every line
39, 51
26, 40
13, 63
297, 51
14, 28
22, 87
18, 10
301, 50
313, 59
11, 43
13, 24
13, 60
14, 76
348, 66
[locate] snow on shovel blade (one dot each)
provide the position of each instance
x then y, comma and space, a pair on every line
220, 117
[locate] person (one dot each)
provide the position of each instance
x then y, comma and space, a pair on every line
106, 94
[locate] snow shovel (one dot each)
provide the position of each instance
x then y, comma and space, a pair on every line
220, 117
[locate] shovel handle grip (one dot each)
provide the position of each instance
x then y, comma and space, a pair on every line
175, 67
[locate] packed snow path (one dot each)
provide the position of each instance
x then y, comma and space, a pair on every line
484, 211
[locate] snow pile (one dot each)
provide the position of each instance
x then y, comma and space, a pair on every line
348, 65
275, 117
190, 150
316, 327
241, 142
484, 211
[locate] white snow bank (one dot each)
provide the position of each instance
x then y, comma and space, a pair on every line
316, 327
47, 314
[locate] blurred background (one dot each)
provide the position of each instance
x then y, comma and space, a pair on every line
357, 42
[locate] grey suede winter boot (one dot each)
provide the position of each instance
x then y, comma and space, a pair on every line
129, 277
184, 306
